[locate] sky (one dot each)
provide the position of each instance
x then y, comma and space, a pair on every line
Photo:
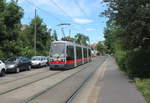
83, 15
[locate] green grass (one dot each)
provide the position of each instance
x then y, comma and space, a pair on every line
144, 87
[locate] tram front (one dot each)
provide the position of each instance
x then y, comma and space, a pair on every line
57, 56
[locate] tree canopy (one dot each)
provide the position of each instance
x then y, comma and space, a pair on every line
101, 48
9, 28
81, 39
17, 39
128, 34
43, 37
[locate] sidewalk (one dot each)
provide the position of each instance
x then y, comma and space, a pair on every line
109, 85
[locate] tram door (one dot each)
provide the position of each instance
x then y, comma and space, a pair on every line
70, 56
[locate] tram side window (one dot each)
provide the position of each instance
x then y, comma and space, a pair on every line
85, 52
89, 53
79, 52
70, 52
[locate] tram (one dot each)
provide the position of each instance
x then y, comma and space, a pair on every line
66, 55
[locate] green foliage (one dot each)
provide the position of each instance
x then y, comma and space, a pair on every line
108, 40
138, 63
121, 58
128, 34
81, 39
144, 86
10, 17
101, 47
17, 39
43, 37
133, 17
68, 38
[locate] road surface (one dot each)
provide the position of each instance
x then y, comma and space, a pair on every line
45, 86
99, 81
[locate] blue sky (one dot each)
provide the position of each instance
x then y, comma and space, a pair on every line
83, 19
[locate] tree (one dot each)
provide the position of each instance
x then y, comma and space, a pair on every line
128, 34
17, 39
43, 38
9, 28
81, 39
68, 38
133, 17
55, 35
101, 48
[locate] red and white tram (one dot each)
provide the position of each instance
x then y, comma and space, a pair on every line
66, 55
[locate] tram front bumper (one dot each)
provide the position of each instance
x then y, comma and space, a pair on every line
57, 66
61, 66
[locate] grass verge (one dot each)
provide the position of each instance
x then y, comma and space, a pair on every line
144, 87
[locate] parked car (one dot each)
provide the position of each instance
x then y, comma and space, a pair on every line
2, 68
39, 61
17, 64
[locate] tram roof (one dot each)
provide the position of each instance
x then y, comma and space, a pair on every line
71, 43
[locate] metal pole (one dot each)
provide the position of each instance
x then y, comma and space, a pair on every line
62, 30
50, 32
69, 32
35, 35
89, 42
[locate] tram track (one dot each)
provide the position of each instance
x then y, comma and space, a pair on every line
47, 89
51, 87
31, 91
31, 82
20, 94
27, 76
69, 100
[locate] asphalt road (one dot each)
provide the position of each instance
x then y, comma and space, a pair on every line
44, 86
109, 85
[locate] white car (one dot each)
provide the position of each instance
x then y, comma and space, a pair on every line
38, 61
2, 68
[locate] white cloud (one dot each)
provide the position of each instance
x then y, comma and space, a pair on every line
82, 21
90, 29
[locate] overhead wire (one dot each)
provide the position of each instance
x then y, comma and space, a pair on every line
81, 9
64, 12
56, 5
56, 18
61, 9
45, 11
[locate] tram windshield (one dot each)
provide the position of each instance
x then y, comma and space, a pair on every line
58, 50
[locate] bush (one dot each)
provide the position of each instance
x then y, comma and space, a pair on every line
138, 63
144, 86
120, 58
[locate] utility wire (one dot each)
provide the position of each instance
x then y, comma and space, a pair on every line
46, 12
61, 9
43, 10
65, 13
81, 9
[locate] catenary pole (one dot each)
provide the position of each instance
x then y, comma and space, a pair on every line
35, 34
